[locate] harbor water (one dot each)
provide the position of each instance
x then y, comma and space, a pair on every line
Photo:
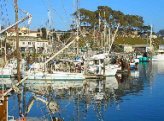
136, 96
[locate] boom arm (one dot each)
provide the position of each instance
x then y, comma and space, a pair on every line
29, 16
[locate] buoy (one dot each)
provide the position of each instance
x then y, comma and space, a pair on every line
21, 119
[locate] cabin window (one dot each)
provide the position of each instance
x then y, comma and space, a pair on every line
96, 62
101, 60
29, 43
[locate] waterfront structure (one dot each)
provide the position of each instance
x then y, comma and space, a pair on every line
137, 48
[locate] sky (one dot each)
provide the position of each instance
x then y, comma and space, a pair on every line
152, 11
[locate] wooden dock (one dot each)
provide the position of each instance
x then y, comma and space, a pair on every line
95, 77
123, 71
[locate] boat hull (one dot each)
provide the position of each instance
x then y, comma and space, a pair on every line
56, 76
5, 72
5, 76
159, 57
144, 59
110, 70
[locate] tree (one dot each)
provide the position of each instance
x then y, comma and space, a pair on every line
44, 33
161, 32
112, 17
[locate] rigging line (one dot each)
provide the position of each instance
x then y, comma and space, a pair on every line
53, 10
46, 7
50, 14
23, 11
62, 2
49, 4
44, 4
65, 22
59, 15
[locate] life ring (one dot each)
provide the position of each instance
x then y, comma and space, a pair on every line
134, 54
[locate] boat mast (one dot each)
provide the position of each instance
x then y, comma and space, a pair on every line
104, 39
150, 37
113, 37
17, 40
78, 26
5, 51
109, 38
99, 21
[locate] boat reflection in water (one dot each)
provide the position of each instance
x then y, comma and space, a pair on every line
78, 99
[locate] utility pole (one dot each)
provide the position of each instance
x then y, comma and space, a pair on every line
17, 40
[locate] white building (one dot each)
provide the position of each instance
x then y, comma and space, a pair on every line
128, 48
29, 41
28, 44
138, 48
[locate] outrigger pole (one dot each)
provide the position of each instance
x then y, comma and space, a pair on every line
16, 23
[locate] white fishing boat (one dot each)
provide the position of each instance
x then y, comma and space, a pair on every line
99, 66
159, 56
37, 73
55, 76
6, 71
10, 69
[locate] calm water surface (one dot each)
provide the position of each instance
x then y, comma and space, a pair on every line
136, 97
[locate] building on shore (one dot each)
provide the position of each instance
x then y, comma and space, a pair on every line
28, 41
137, 48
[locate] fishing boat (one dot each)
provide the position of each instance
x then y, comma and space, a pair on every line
98, 66
6, 72
56, 76
159, 56
10, 69
144, 59
37, 72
